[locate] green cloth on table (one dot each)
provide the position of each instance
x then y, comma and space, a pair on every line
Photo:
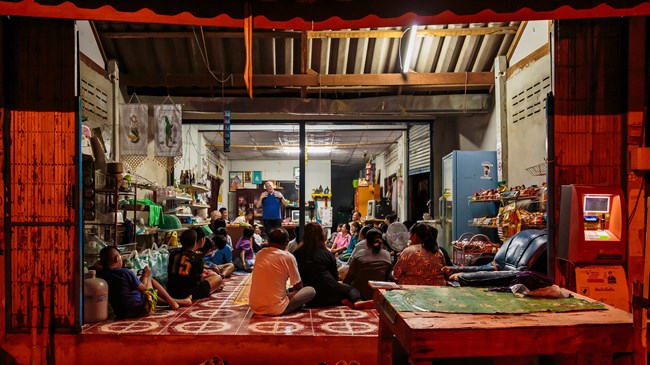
478, 300
155, 211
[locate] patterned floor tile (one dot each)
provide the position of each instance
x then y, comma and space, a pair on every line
217, 315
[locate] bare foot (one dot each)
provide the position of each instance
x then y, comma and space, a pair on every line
185, 302
173, 304
346, 302
364, 304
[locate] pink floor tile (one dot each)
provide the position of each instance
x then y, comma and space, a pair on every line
217, 315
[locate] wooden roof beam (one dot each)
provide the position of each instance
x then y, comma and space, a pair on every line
453, 32
322, 34
315, 80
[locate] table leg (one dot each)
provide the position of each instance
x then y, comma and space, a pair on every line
385, 345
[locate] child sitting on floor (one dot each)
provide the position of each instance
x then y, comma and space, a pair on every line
186, 270
243, 255
129, 296
215, 262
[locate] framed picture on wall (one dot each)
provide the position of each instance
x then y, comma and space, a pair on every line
235, 180
247, 177
257, 177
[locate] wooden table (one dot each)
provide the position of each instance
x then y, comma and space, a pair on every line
429, 335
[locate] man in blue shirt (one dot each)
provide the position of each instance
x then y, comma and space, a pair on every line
272, 202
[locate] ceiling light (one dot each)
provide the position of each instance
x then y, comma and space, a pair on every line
409, 49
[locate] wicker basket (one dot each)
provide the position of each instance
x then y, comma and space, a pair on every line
465, 249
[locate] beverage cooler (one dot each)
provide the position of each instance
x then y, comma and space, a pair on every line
463, 174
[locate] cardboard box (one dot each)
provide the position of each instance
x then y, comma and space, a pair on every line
607, 284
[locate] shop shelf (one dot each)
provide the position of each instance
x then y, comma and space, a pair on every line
200, 206
199, 189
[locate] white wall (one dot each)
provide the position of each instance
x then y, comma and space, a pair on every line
527, 137
535, 35
193, 149
319, 172
397, 167
87, 43
478, 133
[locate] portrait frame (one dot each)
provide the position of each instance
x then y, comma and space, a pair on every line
235, 181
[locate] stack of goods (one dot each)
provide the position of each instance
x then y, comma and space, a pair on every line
508, 221
515, 192
532, 219
486, 195
484, 222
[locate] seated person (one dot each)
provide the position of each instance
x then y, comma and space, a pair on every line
220, 263
186, 270
129, 296
355, 228
374, 264
247, 218
422, 261
342, 240
224, 214
330, 241
317, 267
359, 249
218, 223
223, 232
243, 255
273, 267
258, 240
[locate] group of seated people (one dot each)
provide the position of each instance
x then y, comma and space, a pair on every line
310, 267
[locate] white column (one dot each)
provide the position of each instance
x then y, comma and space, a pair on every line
500, 103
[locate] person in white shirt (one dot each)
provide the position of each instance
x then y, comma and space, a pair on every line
273, 267
246, 218
258, 240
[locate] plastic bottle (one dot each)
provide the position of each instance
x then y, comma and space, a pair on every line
95, 299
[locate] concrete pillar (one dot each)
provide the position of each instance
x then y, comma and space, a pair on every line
114, 76
500, 103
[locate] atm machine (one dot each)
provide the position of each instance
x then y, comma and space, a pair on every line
592, 225
593, 244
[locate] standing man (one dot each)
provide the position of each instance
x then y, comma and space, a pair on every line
272, 202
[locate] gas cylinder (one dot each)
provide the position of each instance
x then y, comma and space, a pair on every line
95, 298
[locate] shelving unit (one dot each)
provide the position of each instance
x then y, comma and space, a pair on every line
503, 202
187, 220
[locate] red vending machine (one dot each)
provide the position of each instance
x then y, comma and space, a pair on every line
592, 225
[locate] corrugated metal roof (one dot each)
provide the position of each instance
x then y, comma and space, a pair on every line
194, 61
209, 61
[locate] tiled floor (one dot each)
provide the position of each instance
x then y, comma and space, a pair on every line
217, 315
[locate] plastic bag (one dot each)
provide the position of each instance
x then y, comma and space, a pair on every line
552, 291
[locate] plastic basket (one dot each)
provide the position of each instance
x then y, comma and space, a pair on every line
465, 250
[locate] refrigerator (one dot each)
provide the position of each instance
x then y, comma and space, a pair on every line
463, 173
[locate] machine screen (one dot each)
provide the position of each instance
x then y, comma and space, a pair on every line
596, 204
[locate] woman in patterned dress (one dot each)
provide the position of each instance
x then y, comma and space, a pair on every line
422, 261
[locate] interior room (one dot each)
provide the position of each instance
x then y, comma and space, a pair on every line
492, 144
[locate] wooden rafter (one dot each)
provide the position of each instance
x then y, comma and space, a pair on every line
455, 32
470, 79
323, 34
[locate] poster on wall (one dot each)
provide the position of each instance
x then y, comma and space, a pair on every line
248, 178
134, 122
169, 141
257, 177
235, 180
